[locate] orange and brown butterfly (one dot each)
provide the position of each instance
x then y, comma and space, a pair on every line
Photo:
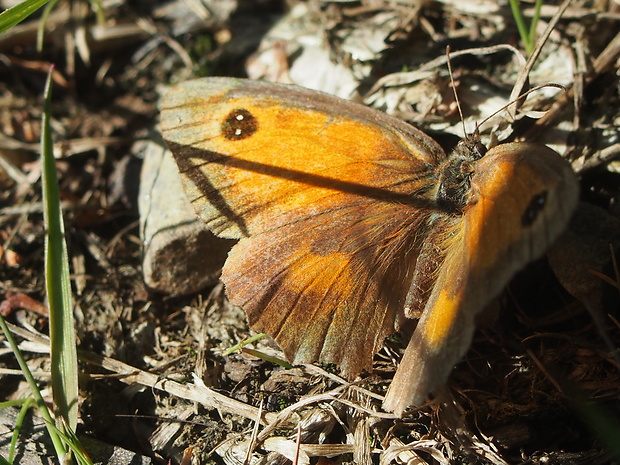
351, 221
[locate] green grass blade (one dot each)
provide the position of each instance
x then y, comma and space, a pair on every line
76, 447
34, 389
62, 334
245, 342
97, 5
18, 13
522, 28
534, 23
42, 22
18, 426
13, 403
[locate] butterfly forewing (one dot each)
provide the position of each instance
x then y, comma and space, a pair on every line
293, 161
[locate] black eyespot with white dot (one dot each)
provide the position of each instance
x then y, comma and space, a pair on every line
537, 204
239, 124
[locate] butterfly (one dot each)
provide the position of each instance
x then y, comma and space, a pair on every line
351, 221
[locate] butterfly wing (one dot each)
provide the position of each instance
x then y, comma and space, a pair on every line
329, 198
522, 197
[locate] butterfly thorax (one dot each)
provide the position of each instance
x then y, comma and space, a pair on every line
455, 175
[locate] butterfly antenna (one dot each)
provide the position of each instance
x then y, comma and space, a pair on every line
456, 97
523, 95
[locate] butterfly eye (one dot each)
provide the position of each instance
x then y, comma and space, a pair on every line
536, 205
479, 150
239, 124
